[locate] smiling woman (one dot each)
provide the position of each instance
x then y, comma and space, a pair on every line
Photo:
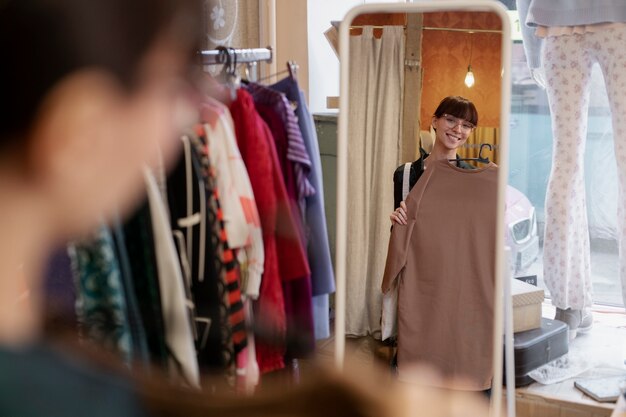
424, 289
453, 121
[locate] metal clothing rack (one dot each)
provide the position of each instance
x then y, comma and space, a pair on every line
467, 30
250, 57
217, 56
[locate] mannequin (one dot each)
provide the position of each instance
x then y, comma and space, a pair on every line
562, 41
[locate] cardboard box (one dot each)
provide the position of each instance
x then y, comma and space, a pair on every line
527, 301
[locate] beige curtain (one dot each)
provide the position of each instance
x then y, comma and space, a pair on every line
481, 135
375, 114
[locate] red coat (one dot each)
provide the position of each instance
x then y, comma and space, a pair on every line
280, 235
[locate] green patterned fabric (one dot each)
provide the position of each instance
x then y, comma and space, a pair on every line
100, 302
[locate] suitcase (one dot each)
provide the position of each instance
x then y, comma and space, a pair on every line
536, 347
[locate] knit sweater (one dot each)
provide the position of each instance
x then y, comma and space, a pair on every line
533, 13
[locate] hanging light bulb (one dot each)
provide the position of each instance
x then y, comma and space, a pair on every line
469, 77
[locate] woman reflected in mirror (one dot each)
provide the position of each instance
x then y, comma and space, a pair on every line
453, 121
443, 280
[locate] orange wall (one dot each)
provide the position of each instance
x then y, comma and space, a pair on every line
445, 55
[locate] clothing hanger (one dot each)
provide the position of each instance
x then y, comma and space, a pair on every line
267, 77
292, 69
229, 73
481, 158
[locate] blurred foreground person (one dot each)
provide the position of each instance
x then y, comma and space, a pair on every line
91, 92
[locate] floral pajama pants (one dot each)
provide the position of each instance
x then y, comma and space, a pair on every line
567, 62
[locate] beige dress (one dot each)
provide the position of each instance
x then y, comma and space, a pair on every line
444, 259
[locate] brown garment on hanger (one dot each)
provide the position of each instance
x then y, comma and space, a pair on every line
444, 259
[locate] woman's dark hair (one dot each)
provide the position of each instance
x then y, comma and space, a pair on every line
458, 106
42, 41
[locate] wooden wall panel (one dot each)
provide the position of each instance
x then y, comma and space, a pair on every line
378, 19
231, 23
463, 20
445, 56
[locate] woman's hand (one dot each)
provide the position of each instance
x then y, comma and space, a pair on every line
399, 215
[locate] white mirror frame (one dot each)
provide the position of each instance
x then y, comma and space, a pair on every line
502, 304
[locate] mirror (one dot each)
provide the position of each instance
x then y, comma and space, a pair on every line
398, 61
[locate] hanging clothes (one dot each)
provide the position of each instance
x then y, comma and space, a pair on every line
295, 165
101, 304
191, 215
318, 249
59, 288
243, 234
241, 217
139, 241
182, 361
248, 372
444, 261
216, 132
141, 354
224, 253
294, 159
279, 230
106, 306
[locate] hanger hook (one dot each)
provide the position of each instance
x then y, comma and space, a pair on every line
233, 60
224, 58
480, 151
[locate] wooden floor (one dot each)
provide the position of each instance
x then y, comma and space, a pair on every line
419, 397
602, 352
359, 352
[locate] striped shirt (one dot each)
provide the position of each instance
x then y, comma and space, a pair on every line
296, 150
